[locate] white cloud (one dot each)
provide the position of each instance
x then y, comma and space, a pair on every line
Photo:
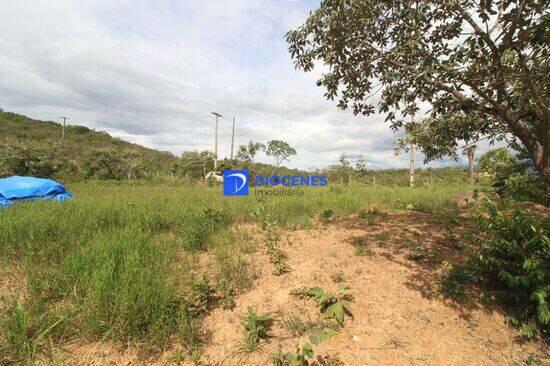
151, 73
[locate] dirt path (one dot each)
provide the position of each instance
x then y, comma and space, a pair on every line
399, 318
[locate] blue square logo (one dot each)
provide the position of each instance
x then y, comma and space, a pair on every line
235, 182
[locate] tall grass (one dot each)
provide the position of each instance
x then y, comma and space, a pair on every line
114, 261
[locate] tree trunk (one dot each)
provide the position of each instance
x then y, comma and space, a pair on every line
470, 152
539, 151
545, 158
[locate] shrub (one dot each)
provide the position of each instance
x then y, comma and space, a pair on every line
513, 265
36, 159
514, 178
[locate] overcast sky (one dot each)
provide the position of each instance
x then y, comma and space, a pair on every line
151, 72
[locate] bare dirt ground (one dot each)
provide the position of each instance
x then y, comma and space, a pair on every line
400, 317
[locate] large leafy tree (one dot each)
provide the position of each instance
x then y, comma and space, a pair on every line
247, 153
482, 65
194, 163
280, 151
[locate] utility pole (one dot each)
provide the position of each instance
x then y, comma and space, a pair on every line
63, 130
232, 138
216, 142
470, 151
411, 160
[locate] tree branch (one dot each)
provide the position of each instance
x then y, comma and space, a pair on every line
532, 88
439, 84
477, 29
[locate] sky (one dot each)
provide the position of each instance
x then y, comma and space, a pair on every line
151, 72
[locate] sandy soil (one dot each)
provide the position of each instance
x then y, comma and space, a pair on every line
399, 316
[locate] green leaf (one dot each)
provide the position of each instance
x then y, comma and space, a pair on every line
337, 311
316, 291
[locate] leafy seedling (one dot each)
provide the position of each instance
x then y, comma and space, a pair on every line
256, 328
333, 305
297, 358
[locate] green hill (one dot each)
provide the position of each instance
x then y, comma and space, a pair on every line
79, 140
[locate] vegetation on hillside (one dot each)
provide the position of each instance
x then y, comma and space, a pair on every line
31, 147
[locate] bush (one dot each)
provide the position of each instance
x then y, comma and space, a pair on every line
513, 264
524, 187
514, 178
36, 159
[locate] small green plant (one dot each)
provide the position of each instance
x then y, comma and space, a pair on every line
326, 216
304, 355
256, 329
299, 357
362, 246
276, 255
196, 298
298, 326
278, 259
363, 251
337, 277
191, 333
332, 305
214, 217
417, 252
403, 205
371, 214
232, 276
301, 292
260, 213
455, 282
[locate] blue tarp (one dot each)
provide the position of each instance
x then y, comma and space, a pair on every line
30, 188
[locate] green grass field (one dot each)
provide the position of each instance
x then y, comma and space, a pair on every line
120, 260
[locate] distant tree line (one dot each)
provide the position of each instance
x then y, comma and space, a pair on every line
196, 164
47, 161
32, 158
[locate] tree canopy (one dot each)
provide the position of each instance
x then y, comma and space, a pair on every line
279, 150
247, 153
482, 66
